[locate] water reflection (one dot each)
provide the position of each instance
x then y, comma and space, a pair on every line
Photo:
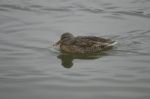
67, 59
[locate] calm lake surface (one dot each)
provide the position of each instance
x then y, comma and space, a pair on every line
30, 69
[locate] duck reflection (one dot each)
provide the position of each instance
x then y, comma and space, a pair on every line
67, 59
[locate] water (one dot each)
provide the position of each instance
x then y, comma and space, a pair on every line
29, 69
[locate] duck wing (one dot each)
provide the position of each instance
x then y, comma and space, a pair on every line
84, 42
97, 39
87, 42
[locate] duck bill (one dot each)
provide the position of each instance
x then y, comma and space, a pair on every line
57, 43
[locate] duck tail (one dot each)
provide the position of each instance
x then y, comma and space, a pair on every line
113, 43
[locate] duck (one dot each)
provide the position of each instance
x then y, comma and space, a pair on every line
83, 44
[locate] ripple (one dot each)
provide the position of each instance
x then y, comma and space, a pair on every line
140, 1
55, 9
15, 7
54, 49
92, 10
133, 13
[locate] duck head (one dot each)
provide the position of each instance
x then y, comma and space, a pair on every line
64, 37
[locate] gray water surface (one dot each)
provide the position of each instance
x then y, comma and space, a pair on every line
29, 69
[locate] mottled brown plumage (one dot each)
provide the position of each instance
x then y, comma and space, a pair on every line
83, 44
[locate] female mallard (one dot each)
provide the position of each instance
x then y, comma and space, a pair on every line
83, 44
